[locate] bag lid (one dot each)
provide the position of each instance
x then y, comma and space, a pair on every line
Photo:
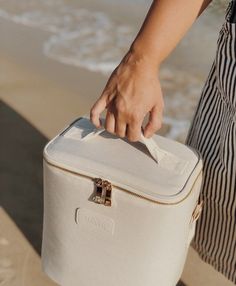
157, 168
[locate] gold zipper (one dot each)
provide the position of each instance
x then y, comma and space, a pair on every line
103, 192
122, 189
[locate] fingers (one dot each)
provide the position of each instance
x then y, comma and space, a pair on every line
123, 97
120, 127
114, 124
110, 122
134, 130
98, 107
154, 123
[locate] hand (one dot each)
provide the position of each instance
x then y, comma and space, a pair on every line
132, 91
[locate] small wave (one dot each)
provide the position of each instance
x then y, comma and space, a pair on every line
178, 127
91, 40
96, 44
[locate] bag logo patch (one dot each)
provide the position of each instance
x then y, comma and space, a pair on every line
94, 221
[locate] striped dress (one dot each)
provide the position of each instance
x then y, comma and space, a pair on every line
213, 133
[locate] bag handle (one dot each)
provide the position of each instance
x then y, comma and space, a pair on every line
156, 152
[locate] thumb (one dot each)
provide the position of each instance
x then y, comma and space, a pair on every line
154, 122
97, 109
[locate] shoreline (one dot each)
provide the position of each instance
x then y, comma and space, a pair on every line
51, 94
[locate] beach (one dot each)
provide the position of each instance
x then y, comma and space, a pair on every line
49, 50
53, 68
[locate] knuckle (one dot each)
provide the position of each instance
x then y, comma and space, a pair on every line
135, 117
120, 105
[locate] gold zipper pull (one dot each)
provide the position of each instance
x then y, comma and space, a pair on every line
103, 192
98, 183
108, 187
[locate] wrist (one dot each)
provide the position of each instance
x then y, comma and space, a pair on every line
142, 54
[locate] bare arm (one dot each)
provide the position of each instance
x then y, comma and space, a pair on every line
133, 88
165, 25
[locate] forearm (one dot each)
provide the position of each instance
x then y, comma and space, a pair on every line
165, 25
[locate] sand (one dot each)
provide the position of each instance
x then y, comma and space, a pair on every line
48, 94
19, 263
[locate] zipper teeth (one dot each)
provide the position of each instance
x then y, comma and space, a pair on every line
122, 189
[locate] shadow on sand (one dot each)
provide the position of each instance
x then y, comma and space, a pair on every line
21, 186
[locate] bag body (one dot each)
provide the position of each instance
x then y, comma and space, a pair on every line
113, 214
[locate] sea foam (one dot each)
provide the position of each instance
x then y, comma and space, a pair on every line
80, 37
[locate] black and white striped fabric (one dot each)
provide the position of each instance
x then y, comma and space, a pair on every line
213, 133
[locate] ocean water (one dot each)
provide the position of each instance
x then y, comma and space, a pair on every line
80, 37
91, 38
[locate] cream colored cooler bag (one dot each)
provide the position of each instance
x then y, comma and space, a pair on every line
118, 213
